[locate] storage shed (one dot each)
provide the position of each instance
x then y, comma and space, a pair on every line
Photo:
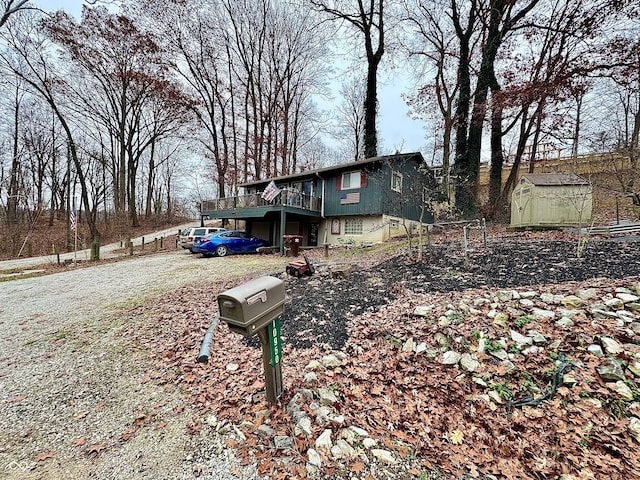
547, 200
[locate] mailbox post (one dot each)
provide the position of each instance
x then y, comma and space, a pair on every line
254, 308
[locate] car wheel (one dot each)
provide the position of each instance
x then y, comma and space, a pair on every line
221, 250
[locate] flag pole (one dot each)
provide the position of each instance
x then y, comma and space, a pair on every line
75, 233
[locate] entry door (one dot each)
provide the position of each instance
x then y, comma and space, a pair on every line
314, 228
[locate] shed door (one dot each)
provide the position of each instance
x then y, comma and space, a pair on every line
522, 207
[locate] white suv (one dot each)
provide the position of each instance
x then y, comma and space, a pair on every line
186, 241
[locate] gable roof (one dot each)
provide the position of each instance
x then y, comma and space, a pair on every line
555, 179
337, 168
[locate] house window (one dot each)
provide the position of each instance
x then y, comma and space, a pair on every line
426, 195
353, 226
396, 182
350, 180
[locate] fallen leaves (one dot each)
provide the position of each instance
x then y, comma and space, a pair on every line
41, 457
409, 403
96, 448
456, 437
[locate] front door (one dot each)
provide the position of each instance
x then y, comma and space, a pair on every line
314, 228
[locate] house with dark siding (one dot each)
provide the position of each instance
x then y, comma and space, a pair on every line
366, 201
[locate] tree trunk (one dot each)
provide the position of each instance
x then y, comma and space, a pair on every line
370, 111
13, 192
464, 199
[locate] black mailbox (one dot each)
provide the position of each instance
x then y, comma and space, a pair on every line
252, 306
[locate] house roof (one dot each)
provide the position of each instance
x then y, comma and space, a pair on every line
555, 179
337, 168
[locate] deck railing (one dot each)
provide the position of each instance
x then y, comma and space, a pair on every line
286, 197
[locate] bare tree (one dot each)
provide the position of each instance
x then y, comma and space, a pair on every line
351, 126
368, 19
432, 39
10, 7
28, 57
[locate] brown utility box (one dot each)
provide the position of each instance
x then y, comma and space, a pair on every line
253, 305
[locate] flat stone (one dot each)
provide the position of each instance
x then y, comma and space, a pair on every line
310, 377
537, 337
423, 311
611, 346
314, 365
595, 350
531, 350
600, 313
359, 431
369, 442
342, 450
232, 367
587, 294
634, 368
634, 428
520, 339
627, 297
632, 306
501, 319
451, 358
572, 301
612, 371
323, 414
282, 442
528, 294
409, 345
421, 347
505, 295
515, 312
500, 354
314, 458
614, 304
479, 381
265, 431
565, 322
624, 391
495, 397
468, 363
442, 340
569, 312
551, 298
331, 361
303, 427
384, 456
569, 380
323, 442
327, 396
526, 302
540, 313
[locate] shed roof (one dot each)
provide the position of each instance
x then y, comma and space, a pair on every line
555, 179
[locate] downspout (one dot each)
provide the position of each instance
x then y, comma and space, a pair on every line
322, 210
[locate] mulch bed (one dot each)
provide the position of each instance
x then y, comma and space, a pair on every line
321, 305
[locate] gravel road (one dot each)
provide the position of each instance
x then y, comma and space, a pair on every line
73, 397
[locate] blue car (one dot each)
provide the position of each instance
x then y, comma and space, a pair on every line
229, 241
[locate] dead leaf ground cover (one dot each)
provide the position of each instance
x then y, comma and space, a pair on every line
433, 417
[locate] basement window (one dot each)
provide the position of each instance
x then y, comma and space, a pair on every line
353, 226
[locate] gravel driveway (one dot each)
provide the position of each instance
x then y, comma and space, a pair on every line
73, 395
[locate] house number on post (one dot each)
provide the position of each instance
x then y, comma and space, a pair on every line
275, 343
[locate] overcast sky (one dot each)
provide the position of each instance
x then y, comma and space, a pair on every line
395, 128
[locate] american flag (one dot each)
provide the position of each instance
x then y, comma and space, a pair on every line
270, 192
347, 198
72, 219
